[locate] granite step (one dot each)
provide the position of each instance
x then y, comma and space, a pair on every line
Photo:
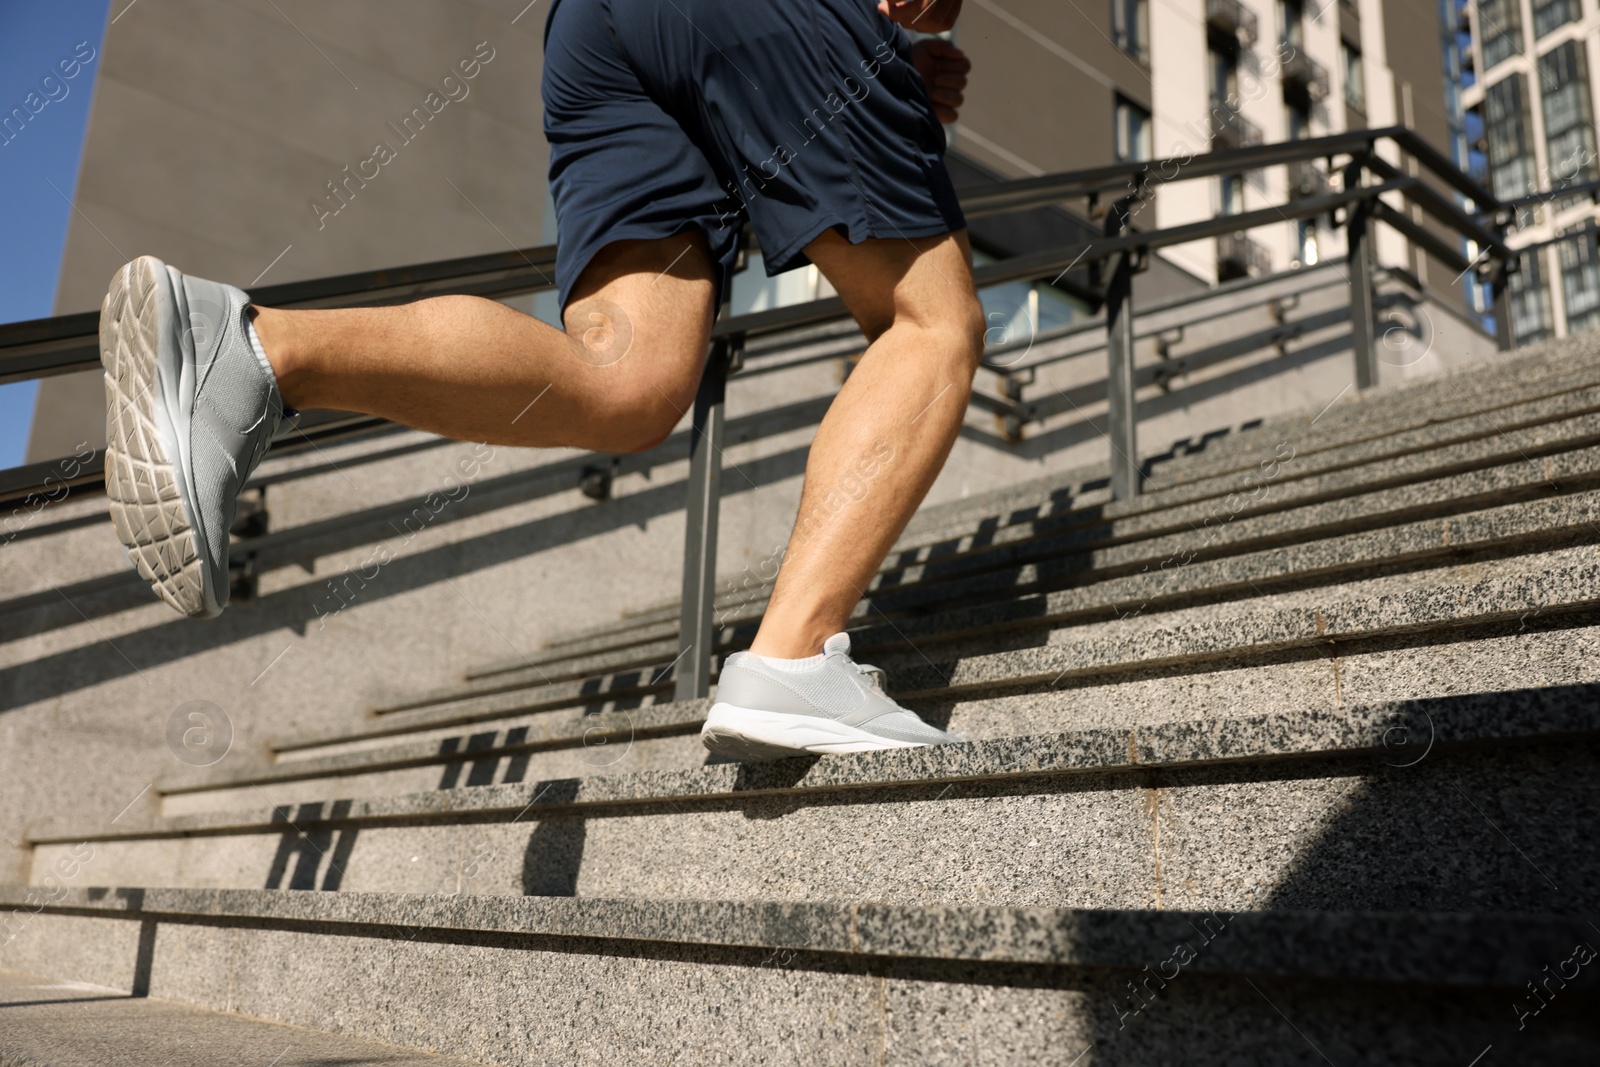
1248, 557
1132, 666
940, 522
1312, 432
665, 737
55, 1023
1514, 530
1411, 403
1431, 483
1074, 559
1525, 432
1204, 813
514, 980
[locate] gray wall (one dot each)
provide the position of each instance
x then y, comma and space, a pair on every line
1028, 98
216, 122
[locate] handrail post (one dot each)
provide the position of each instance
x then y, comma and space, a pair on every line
1358, 237
1121, 416
1505, 334
692, 668
1122, 424
1505, 329
692, 679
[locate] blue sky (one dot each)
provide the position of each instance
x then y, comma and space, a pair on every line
33, 37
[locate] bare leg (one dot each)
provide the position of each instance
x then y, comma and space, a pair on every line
888, 432
638, 324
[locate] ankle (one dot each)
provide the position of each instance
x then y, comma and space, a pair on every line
791, 643
277, 341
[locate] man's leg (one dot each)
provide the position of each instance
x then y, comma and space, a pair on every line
888, 432
638, 324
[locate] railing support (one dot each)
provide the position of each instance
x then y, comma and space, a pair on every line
1358, 232
1122, 425
1505, 334
692, 668
692, 679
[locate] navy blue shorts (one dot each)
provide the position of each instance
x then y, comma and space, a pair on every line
802, 115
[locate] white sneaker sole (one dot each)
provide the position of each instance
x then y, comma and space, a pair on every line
149, 497
751, 734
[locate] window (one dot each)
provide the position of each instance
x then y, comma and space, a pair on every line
1305, 243
1355, 86
1232, 198
1530, 303
1568, 128
1293, 14
1299, 114
1224, 79
1133, 131
1580, 282
1019, 311
1511, 165
1500, 29
1130, 27
1551, 15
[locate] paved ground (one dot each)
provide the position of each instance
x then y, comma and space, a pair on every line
45, 1023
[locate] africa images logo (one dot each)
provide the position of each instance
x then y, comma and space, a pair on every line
342, 191
53, 89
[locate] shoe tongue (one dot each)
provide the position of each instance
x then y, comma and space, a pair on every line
839, 642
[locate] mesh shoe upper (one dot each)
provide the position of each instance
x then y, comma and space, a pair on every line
236, 408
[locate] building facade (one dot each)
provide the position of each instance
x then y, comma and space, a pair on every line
1529, 100
1174, 78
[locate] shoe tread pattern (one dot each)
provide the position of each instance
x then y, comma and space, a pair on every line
146, 506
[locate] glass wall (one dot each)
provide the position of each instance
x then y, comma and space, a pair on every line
1511, 157
1531, 318
1580, 282
1568, 125
1500, 29
1551, 15
1018, 312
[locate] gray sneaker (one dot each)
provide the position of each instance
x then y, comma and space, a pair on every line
763, 712
190, 411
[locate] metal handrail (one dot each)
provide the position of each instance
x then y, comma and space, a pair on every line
68, 343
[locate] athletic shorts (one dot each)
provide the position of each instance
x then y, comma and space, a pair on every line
800, 115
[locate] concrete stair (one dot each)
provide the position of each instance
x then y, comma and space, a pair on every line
1291, 759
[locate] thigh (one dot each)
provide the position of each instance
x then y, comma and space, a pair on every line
926, 280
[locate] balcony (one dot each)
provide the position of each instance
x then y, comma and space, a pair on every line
1307, 178
1240, 257
1304, 77
1229, 129
1232, 19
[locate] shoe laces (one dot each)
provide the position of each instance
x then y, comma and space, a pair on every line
877, 676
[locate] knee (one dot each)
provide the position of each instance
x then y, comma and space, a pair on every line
973, 328
958, 324
643, 430
645, 407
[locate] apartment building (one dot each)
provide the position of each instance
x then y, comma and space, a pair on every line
1529, 102
1139, 79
